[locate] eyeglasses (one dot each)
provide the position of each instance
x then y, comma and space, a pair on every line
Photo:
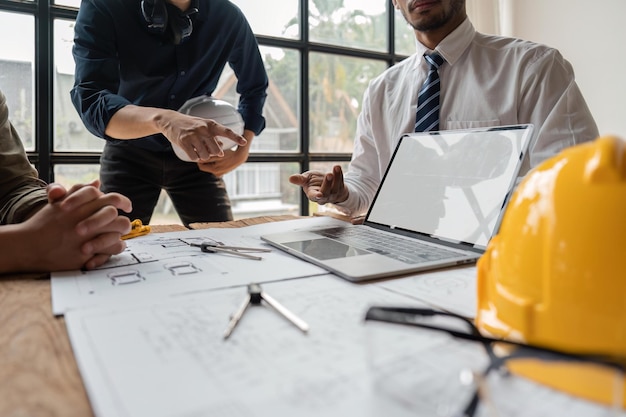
498, 357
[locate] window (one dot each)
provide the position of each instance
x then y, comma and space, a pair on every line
17, 61
320, 56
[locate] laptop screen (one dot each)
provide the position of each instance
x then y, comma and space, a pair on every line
451, 185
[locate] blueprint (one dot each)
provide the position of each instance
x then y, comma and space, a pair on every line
164, 264
170, 359
451, 289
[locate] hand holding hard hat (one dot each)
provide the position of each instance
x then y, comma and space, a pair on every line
220, 111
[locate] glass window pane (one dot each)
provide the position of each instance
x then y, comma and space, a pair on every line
328, 166
71, 3
68, 175
284, 17
164, 212
336, 86
69, 132
281, 110
404, 36
263, 189
255, 189
17, 57
350, 23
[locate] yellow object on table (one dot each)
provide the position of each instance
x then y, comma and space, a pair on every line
137, 229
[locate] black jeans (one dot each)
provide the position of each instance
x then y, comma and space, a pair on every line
140, 175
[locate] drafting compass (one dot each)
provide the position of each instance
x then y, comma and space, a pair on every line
255, 296
230, 250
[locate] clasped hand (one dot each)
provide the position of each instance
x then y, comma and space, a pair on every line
78, 228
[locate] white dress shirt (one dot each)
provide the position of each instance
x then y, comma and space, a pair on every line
486, 81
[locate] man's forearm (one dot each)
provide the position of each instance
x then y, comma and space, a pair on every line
132, 122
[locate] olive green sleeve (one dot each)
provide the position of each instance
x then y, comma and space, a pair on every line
21, 191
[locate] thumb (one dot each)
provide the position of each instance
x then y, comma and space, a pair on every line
95, 183
55, 192
297, 179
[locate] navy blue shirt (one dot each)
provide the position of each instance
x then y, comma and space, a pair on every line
120, 61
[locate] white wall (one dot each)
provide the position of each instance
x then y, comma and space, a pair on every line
591, 35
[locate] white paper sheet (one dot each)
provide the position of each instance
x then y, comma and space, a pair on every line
169, 359
163, 264
452, 289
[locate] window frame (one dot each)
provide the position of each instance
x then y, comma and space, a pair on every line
44, 158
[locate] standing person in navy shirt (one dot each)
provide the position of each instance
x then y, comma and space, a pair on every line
137, 63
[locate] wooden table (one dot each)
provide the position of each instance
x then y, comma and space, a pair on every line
38, 373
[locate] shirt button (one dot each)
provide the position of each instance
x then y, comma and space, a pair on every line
173, 96
182, 73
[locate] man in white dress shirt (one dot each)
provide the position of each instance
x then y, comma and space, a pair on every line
486, 80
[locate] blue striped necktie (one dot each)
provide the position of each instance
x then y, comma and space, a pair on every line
427, 114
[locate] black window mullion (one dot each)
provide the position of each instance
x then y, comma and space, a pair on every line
304, 99
43, 90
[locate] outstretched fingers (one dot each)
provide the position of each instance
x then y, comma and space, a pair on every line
332, 189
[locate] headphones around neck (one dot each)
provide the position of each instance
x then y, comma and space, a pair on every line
173, 23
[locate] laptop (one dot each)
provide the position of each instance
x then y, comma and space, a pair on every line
439, 203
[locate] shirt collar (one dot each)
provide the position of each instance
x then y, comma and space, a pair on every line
454, 45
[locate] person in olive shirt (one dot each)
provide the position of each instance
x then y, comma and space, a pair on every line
46, 228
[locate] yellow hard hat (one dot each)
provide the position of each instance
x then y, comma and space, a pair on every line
554, 274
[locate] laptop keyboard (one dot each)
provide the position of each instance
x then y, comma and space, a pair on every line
404, 250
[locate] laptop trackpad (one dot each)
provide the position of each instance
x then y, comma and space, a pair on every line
324, 249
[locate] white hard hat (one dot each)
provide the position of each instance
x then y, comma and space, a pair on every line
222, 112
